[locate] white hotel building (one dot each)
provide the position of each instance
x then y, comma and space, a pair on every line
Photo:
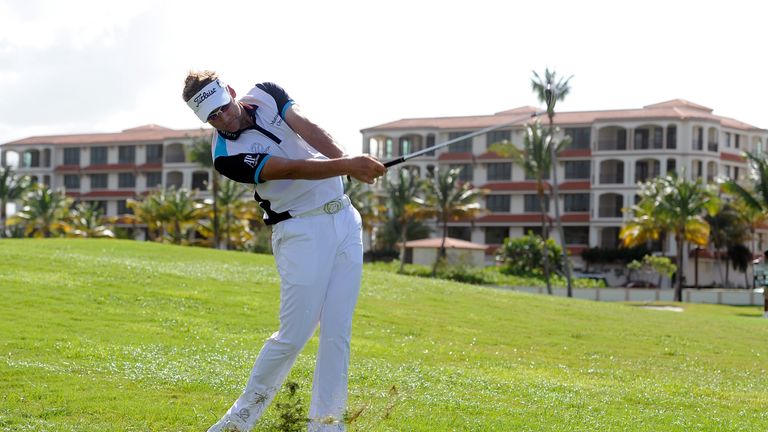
110, 168
611, 151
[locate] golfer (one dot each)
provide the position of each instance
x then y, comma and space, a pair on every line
264, 139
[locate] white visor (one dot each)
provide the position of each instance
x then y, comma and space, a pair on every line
212, 96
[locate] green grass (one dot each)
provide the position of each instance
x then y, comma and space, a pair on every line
130, 336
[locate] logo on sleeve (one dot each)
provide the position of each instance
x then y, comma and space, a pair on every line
250, 161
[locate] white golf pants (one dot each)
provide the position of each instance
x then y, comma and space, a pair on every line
319, 259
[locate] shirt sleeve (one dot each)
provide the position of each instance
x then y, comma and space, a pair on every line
243, 167
282, 100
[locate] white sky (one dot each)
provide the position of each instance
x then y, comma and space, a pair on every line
101, 66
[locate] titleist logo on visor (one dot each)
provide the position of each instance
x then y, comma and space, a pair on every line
203, 96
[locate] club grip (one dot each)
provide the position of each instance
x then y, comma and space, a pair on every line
394, 162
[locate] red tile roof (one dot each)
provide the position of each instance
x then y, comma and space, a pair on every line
147, 133
450, 243
673, 109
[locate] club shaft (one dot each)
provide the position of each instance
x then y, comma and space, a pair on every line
404, 158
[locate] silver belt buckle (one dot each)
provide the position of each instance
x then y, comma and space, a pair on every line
333, 207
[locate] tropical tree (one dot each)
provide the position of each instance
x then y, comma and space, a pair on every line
536, 160
87, 220
182, 210
405, 204
675, 205
450, 199
200, 152
43, 213
12, 188
147, 211
727, 229
366, 202
549, 90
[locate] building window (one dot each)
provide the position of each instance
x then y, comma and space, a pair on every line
498, 136
737, 141
126, 154
672, 137
154, 179
496, 235
580, 138
576, 202
154, 153
500, 171
99, 181
531, 203
671, 166
577, 170
465, 173
658, 138
576, 235
71, 181
430, 143
126, 180
200, 180
461, 233
498, 203
72, 156
99, 206
464, 145
728, 139
641, 139
98, 155
122, 207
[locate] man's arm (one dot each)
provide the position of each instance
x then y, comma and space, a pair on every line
257, 168
313, 134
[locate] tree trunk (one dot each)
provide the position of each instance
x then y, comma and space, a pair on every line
215, 186
441, 252
403, 234
545, 236
680, 270
3, 204
556, 195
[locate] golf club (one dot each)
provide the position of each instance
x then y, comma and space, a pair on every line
404, 158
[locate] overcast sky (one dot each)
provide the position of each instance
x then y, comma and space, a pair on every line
101, 66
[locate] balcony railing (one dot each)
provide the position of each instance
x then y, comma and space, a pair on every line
712, 146
610, 211
610, 178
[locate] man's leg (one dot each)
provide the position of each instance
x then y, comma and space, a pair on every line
305, 269
329, 389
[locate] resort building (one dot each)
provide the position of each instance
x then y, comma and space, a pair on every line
611, 151
109, 168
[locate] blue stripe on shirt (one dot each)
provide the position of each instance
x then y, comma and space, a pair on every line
221, 147
258, 170
285, 108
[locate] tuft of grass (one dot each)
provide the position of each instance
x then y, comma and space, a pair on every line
119, 335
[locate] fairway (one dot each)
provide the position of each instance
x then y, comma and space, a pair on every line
107, 335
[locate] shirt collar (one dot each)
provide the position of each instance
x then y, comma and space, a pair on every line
250, 110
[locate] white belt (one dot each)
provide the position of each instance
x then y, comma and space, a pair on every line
331, 207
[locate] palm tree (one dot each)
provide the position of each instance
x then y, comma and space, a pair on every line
12, 188
183, 211
752, 200
43, 213
675, 205
536, 160
147, 212
230, 198
405, 204
727, 229
549, 90
366, 202
201, 153
87, 220
451, 200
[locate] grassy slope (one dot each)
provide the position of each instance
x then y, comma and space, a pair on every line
130, 336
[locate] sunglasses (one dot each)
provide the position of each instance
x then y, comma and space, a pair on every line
215, 113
